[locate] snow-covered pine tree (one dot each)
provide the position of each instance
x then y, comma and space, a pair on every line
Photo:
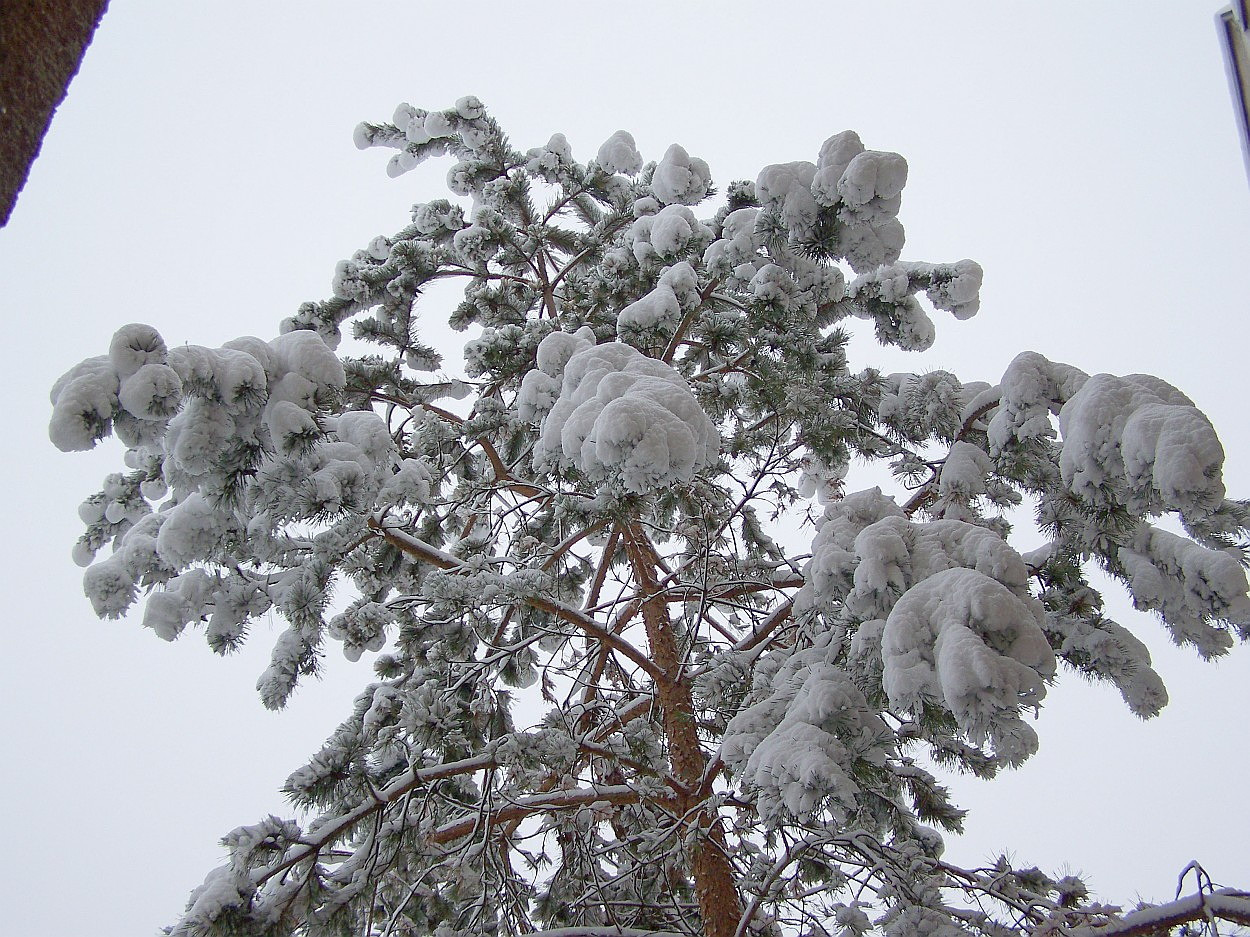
606, 700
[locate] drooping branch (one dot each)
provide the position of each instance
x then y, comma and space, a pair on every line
332, 828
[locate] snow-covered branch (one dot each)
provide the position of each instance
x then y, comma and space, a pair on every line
1223, 904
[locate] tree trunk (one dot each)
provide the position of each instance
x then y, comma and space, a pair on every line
719, 905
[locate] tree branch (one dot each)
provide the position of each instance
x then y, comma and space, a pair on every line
1225, 904
436, 557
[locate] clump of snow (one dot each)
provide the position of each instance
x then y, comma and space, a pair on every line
872, 175
620, 154
1102, 647
660, 310
738, 244
412, 483
680, 179
962, 478
1134, 441
618, 417
305, 353
894, 554
887, 295
829, 572
84, 402
1143, 443
964, 640
944, 607
540, 387
190, 532
786, 189
1189, 585
852, 196
109, 586
470, 107
955, 287
1031, 390
153, 392
835, 156
773, 285
820, 480
133, 346
183, 600
437, 125
798, 749
667, 233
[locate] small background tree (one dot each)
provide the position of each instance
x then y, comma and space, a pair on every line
730, 727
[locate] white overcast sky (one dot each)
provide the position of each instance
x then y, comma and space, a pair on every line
201, 177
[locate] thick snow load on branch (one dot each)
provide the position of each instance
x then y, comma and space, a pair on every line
798, 748
1189, 585
786, 188
829, 572
964, 640
620, 154
1134, 441
848, 200
681, 179
894, 554
1140, 441
944, 606
618, 416
666, 233
1032, 389
660, 311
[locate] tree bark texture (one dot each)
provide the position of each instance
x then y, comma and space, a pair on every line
719, 905
42, 43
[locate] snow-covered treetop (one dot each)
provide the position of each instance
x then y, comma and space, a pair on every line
606, 695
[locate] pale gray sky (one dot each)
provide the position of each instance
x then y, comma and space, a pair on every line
201, 177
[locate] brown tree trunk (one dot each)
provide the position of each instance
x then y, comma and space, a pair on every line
719, 905
42, 43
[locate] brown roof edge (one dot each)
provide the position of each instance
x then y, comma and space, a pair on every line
42, 43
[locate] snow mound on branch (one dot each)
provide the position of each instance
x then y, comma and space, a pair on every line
829, 573
672, 230
738, 246
848, 200
1135, 440
894, 554
1140, 441
84, 402
680, 179
661, 309
887, 295
797, 749
620, 154
1189, 585
786, 188
1031, 390
967, 642
943, 609
616, 415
